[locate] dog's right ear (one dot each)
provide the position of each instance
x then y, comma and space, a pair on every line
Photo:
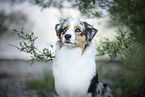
58, 29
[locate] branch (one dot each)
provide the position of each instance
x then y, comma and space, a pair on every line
27, 45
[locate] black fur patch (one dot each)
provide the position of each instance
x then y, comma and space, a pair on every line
89, 31
93, 85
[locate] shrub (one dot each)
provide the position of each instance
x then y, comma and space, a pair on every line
128, 80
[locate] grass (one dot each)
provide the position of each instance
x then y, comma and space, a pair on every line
43, 84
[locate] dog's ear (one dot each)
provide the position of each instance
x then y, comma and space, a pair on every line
90, 31
58, 28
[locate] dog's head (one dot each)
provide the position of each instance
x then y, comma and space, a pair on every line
75, 33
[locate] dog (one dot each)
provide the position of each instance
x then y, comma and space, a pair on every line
74, 67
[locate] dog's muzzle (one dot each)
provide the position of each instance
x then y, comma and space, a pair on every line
67, 41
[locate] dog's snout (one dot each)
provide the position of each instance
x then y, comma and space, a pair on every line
67, 36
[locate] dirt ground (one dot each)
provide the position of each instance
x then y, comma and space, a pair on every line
15, 74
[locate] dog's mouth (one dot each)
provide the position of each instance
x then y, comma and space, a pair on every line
68, 43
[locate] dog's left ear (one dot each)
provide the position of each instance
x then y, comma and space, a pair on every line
90, 31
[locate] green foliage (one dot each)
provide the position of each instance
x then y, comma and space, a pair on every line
115, 48
88, 8
48, 3
27, 44
128, 80
131, 14
116, 77
135, 63
42, 84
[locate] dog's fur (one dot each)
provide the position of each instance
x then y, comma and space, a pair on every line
74, 67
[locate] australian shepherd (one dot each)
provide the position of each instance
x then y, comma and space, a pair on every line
74, 67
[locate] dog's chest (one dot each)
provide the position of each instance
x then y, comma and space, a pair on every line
73, 71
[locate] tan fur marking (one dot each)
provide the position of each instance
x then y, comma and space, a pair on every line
62, 44
77, 26
67, 25
81, 40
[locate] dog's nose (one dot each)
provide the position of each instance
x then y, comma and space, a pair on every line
67, 36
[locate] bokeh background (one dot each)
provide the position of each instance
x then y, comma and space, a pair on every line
120, 44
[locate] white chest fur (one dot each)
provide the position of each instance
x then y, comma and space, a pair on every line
73, 71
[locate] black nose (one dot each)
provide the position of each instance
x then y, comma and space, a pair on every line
67, 36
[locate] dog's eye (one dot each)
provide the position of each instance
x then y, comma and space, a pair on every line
77, 30
64, 30
81, 34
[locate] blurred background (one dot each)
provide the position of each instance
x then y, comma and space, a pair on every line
120, 44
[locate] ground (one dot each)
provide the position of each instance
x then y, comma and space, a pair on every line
15, 75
